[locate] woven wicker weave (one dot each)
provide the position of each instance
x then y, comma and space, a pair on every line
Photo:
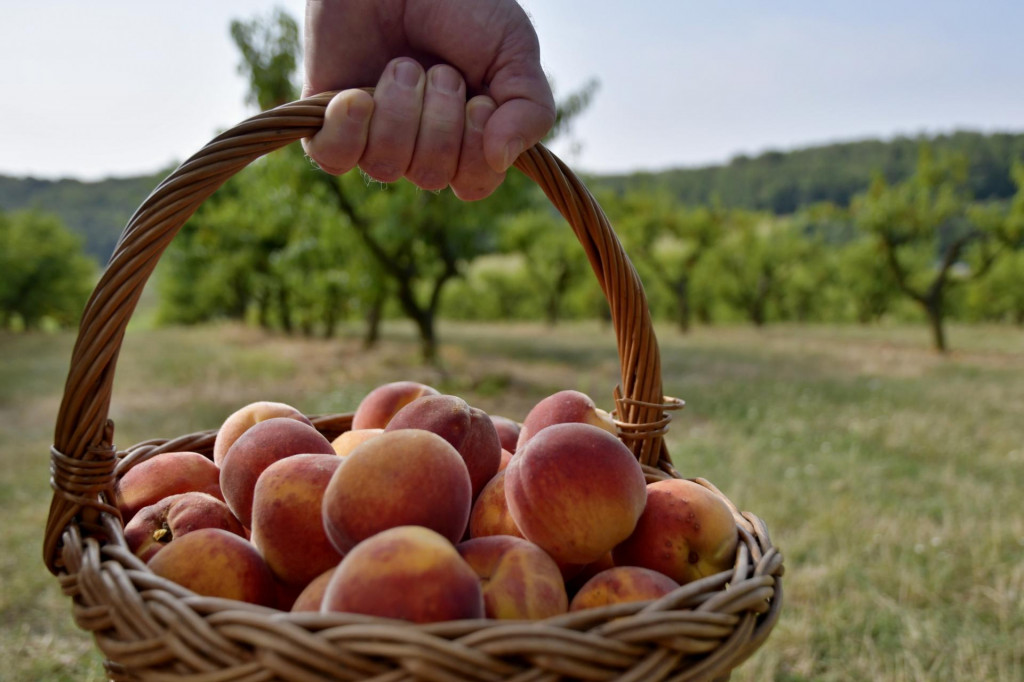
151, 629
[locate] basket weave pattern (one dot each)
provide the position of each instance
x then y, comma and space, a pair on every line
151, 629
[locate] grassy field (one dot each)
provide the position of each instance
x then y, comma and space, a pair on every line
891, 478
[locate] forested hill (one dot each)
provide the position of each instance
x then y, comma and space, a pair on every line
96, 210
781, 182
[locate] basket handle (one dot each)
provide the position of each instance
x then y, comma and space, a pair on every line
83, 455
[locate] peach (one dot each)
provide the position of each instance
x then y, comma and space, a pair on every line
575, 490
490, 515
287, 526
508, 432
239, 421
519, 580
407, 572
468, 429
564, 407
506, 457
379, 405
400, 478
347, 441
216, 563
261, 445
163, 475
312, 596
686, 532
579, 577
172, 517
622, 584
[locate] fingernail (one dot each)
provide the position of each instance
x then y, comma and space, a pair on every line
478, 113
407, 73
445, 80
359, 108
512, 150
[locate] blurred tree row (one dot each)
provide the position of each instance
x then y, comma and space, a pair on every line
290, 248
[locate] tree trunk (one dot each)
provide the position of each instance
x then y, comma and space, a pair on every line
683, 312
285, 310
933, 309
373, 318
554, 305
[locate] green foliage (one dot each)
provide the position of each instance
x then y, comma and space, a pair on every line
924, 229
265, 248
750, 267
783, 182
271, 51
45, 276
96, 211
553, 262
669, 240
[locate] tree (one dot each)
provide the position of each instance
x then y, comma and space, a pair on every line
270, 55
752, 262
552, 257
925, 235
1000, 294
46, 275
668, 240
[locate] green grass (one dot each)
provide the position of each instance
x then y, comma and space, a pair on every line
890, 477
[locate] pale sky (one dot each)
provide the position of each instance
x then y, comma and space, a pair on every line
118, 87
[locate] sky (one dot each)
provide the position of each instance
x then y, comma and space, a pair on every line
117, 87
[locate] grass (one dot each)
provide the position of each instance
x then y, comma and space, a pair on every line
890, 477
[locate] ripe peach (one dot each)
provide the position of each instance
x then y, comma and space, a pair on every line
379, 405
575, 581
287, 526
260, 446
155, 526
163, 475
216, 563
406, 572
490, 515
468, 429
240, 420
399, 478
508, 432
622, 584
575, 490
564, 407
312, 596
347, 441
506, 457
686, 532
518, 578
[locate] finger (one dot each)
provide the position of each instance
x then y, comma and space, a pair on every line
339, 144
475, 178
526, 106
515, 126
398, 103
436, 156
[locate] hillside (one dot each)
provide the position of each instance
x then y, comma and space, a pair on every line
782, 182
775, 181
96, 210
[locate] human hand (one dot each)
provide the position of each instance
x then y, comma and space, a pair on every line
425, 56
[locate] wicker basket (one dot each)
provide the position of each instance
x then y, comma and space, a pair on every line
151, 629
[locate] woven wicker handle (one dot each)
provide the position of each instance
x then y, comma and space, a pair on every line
82, 461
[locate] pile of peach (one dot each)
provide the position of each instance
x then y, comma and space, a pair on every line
428, 509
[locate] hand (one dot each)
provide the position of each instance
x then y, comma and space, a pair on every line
425, 56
